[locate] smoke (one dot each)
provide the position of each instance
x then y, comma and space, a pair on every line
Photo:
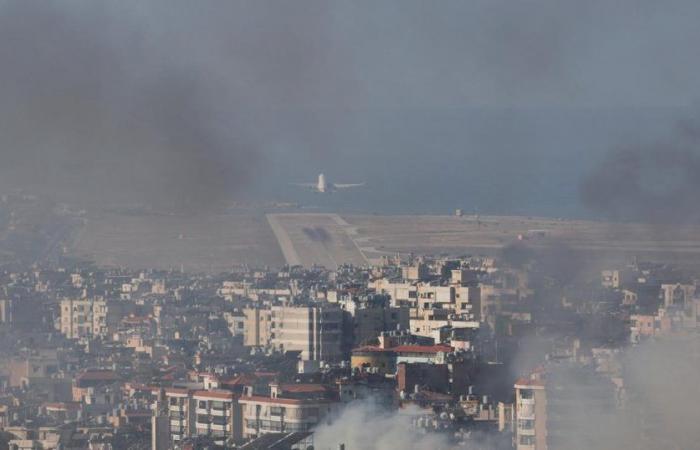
367, 424
653, 408
160, 103
653, 182
663, 392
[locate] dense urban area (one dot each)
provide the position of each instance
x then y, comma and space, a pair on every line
532, 348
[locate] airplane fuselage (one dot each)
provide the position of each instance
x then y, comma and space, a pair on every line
321, 185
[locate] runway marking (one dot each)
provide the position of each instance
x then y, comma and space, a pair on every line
322, 252
285, 242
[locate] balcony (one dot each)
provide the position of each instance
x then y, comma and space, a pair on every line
526, 409
218, 412
218, 427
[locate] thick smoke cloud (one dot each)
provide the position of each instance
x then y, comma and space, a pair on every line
151, 103
656, 182
187, 103
366, 424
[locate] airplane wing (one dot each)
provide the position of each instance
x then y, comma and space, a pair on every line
345, 186
306, 185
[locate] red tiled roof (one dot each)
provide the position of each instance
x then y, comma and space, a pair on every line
179, 391
226, 395
282, 401
304, 388
266, 374
528, 382
243, 379
407, 349
422, 349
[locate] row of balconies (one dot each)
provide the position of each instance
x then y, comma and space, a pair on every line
213, 412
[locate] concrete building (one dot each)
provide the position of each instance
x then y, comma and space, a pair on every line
531, 415
416, 272
315, 331
89, 318
218, 416
677, 295
401, 294
280, 413
181, 410
236, 323
257, 327
370, 320
569, 406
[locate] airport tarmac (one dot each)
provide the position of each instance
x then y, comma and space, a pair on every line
374, 236
217, 242
316, 239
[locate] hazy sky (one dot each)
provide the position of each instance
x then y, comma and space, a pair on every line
493, 104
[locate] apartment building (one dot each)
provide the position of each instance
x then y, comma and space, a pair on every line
283, 411
569, 406
212, 413
315, 331
180, 408
218, 415
257, 326
531, 415
89, 318
401, 294
370, 320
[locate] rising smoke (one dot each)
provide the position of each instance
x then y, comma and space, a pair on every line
652, 182
366, 424
160, 103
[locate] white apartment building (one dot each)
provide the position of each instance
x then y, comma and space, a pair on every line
315, 331
87, 318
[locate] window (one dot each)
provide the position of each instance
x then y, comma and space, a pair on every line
527, 440
173, 401
202, 404
219, 420
526, 424
526, 394
276, 410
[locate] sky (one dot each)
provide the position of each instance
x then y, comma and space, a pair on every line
497, 106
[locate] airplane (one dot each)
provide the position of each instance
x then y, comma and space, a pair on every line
323, 187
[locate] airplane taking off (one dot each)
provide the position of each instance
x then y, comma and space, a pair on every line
323, 187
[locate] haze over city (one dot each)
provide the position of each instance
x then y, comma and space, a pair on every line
329, 224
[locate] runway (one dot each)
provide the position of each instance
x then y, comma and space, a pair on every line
316, 239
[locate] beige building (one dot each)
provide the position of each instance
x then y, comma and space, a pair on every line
315, 331
677, 295
531, 415
262, 415
89, 318
370, 320
218, 415
181, 412
401, 294
257, 326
